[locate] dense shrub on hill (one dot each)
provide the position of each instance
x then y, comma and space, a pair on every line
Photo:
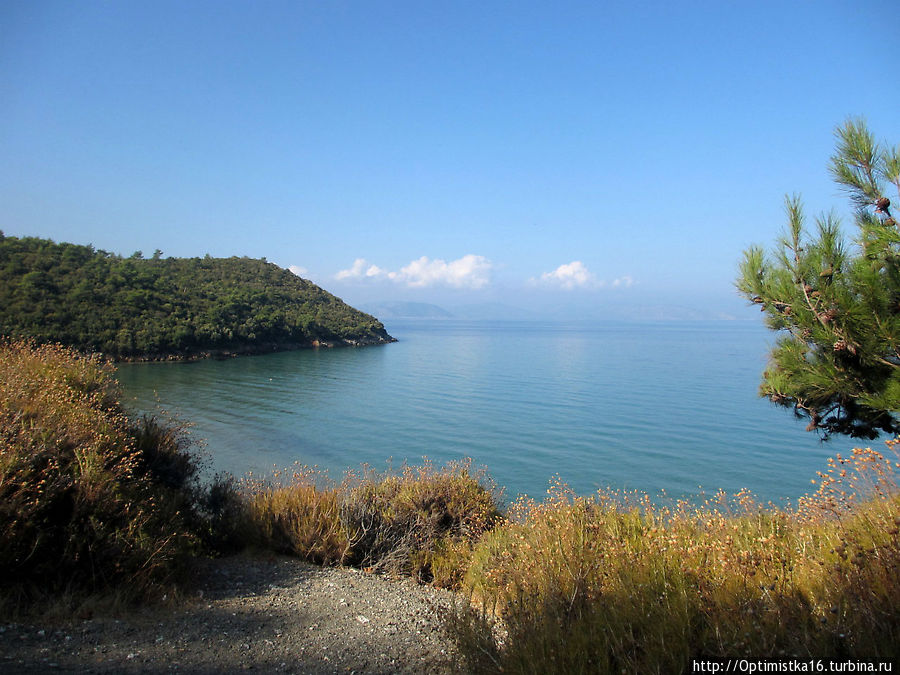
138, 308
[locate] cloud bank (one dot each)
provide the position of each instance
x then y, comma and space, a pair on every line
470, 271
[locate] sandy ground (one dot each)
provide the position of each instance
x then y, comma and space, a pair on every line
263, 614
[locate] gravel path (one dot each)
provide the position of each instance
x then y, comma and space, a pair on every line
267, 614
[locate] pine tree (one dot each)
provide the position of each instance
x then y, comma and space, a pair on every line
836, 304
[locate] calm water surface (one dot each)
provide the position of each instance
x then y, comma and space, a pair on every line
653, 406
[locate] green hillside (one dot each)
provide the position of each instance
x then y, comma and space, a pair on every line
136, 308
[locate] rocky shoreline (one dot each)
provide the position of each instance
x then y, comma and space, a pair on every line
253, 613
255, 349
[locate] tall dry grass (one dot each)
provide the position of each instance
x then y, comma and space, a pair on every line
616, 583
420, 521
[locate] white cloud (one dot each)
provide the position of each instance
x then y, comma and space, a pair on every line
569, 276
355, 272
576, 275
299, 271
376, 271
470, 271
361, 269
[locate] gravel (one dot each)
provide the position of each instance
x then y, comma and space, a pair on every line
250, 613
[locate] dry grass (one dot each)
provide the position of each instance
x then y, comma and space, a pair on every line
419, 521
300, 518
615, 583
88, 499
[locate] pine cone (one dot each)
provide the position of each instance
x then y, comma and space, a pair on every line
783, 308
840, 346
827, 316
882, 205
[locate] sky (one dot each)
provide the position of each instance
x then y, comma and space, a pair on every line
565, 157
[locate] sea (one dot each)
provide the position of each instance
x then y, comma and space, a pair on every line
670, 409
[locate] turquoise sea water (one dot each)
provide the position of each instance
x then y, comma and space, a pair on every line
647, 406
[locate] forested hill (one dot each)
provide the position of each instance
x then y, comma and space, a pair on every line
137, 308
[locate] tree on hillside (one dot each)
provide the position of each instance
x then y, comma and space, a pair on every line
836, 304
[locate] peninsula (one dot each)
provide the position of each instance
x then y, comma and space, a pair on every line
159, 308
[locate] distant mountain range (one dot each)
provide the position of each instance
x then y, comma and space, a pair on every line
406, 310
396, 309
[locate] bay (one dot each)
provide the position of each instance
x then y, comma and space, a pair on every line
639, 406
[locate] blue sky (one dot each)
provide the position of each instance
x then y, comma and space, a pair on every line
561, 155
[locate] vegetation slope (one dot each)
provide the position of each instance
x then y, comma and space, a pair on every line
136, 308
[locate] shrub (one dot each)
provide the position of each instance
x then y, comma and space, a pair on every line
91, 500
406, 523
227, 527
88, 499
420, 522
